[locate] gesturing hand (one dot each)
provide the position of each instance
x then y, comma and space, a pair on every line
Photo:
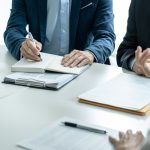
142, 64
77, 59
127, 141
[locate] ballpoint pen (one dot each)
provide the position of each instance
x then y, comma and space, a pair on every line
91, 129
32, 39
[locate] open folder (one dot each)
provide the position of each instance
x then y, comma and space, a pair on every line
126, 92
49, 62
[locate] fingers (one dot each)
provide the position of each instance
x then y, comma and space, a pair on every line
140, 135
129, 134
142, 64
138, 53
121, 135
77, 59
127, 141
38, 45
112, 140
145, 55
30, 50
67, 57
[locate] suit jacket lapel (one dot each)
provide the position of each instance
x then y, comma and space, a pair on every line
74, 18
42, 12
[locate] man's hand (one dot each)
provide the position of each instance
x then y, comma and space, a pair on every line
30, 50
127, 141
77, 59
142, 64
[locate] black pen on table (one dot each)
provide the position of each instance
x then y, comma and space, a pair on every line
32, 39
91, 129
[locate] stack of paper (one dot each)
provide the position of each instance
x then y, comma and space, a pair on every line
126, 92
39, 80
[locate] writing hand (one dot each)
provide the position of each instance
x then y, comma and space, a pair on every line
30, 50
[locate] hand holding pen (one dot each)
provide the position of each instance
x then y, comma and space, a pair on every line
30, 48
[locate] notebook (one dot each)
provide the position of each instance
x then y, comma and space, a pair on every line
49, 62
59, 137
126, 92
51, 80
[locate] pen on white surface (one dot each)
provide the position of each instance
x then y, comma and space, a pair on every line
91, 129
32, 39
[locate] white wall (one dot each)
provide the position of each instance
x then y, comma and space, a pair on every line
120, 11
121, 8
5, 6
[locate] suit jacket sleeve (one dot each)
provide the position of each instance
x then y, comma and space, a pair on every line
16, 28
103, 31
127, 48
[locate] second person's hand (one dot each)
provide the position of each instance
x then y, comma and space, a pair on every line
30, 50
142, 64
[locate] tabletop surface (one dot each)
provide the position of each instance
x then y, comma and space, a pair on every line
25, 111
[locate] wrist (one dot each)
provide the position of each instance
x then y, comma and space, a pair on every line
137, 68
90, 56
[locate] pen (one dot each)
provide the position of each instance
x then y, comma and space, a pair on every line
74, 125
32, 39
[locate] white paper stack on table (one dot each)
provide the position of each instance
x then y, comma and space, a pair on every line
126, 92
52, 81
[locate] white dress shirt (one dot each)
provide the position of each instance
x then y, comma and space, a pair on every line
57, 30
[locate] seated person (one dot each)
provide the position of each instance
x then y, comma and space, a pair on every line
130, 141
81, 31
134, 52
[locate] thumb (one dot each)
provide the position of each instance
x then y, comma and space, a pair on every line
138, 53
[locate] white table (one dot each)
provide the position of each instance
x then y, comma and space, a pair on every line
26, 111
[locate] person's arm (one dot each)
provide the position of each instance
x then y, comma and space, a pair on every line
15, 32
126, 50
103, 42
103, 31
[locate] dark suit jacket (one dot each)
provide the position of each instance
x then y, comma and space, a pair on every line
91, 28
138, 32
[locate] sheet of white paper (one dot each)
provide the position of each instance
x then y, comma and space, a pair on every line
55, 65
33, 64
60, 137
125, 90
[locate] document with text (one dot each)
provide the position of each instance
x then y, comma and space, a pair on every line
60, 137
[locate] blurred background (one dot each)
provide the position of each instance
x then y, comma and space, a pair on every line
120, 11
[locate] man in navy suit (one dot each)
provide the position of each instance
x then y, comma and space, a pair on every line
80, 30
134, 52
